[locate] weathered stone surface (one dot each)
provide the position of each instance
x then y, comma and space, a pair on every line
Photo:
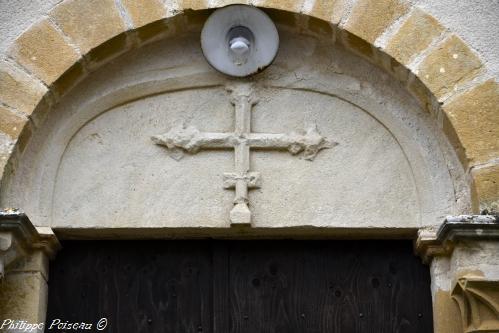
193, 4
474, 117
478, 257
329, 10
445, 313
88, 23
357, 44
222, 3
486, 188
450, 64
10, 123
44, 52
197, 5
478, 301
415, 35
369, 18
441, 242
18, 89
6, 145
288, 5
420, 91
38, 261
24, 296
143, 12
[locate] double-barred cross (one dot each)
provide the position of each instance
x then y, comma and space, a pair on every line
191, 140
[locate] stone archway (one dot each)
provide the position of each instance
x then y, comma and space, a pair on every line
404, 41
446, 95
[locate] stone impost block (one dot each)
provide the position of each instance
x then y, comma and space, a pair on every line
415, 35
370, 18
329, 10
44, 52
486, 188
88, 23
22, 245
441, 242
474, 117
449, 65
143, 12
18, 89
10, 123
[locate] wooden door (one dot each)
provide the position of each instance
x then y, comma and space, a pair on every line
242, 286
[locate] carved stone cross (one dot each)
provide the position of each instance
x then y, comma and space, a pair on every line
191, 140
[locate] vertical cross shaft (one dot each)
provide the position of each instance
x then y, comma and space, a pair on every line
243, 101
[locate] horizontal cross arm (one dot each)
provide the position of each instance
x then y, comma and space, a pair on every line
191, 140
309, 143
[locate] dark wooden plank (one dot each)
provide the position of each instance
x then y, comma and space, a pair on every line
139, 286
328, 287
221, 286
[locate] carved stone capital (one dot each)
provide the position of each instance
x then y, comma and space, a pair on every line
478, 301
19, 238
441, 241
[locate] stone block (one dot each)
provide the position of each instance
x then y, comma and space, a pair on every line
193, 4
370, 18
18, 89
10, 123
143, 12
222, 3
44, 52
486, 189
450, 64
287, 5
474, 116
88, 23
414, 36
330, 11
